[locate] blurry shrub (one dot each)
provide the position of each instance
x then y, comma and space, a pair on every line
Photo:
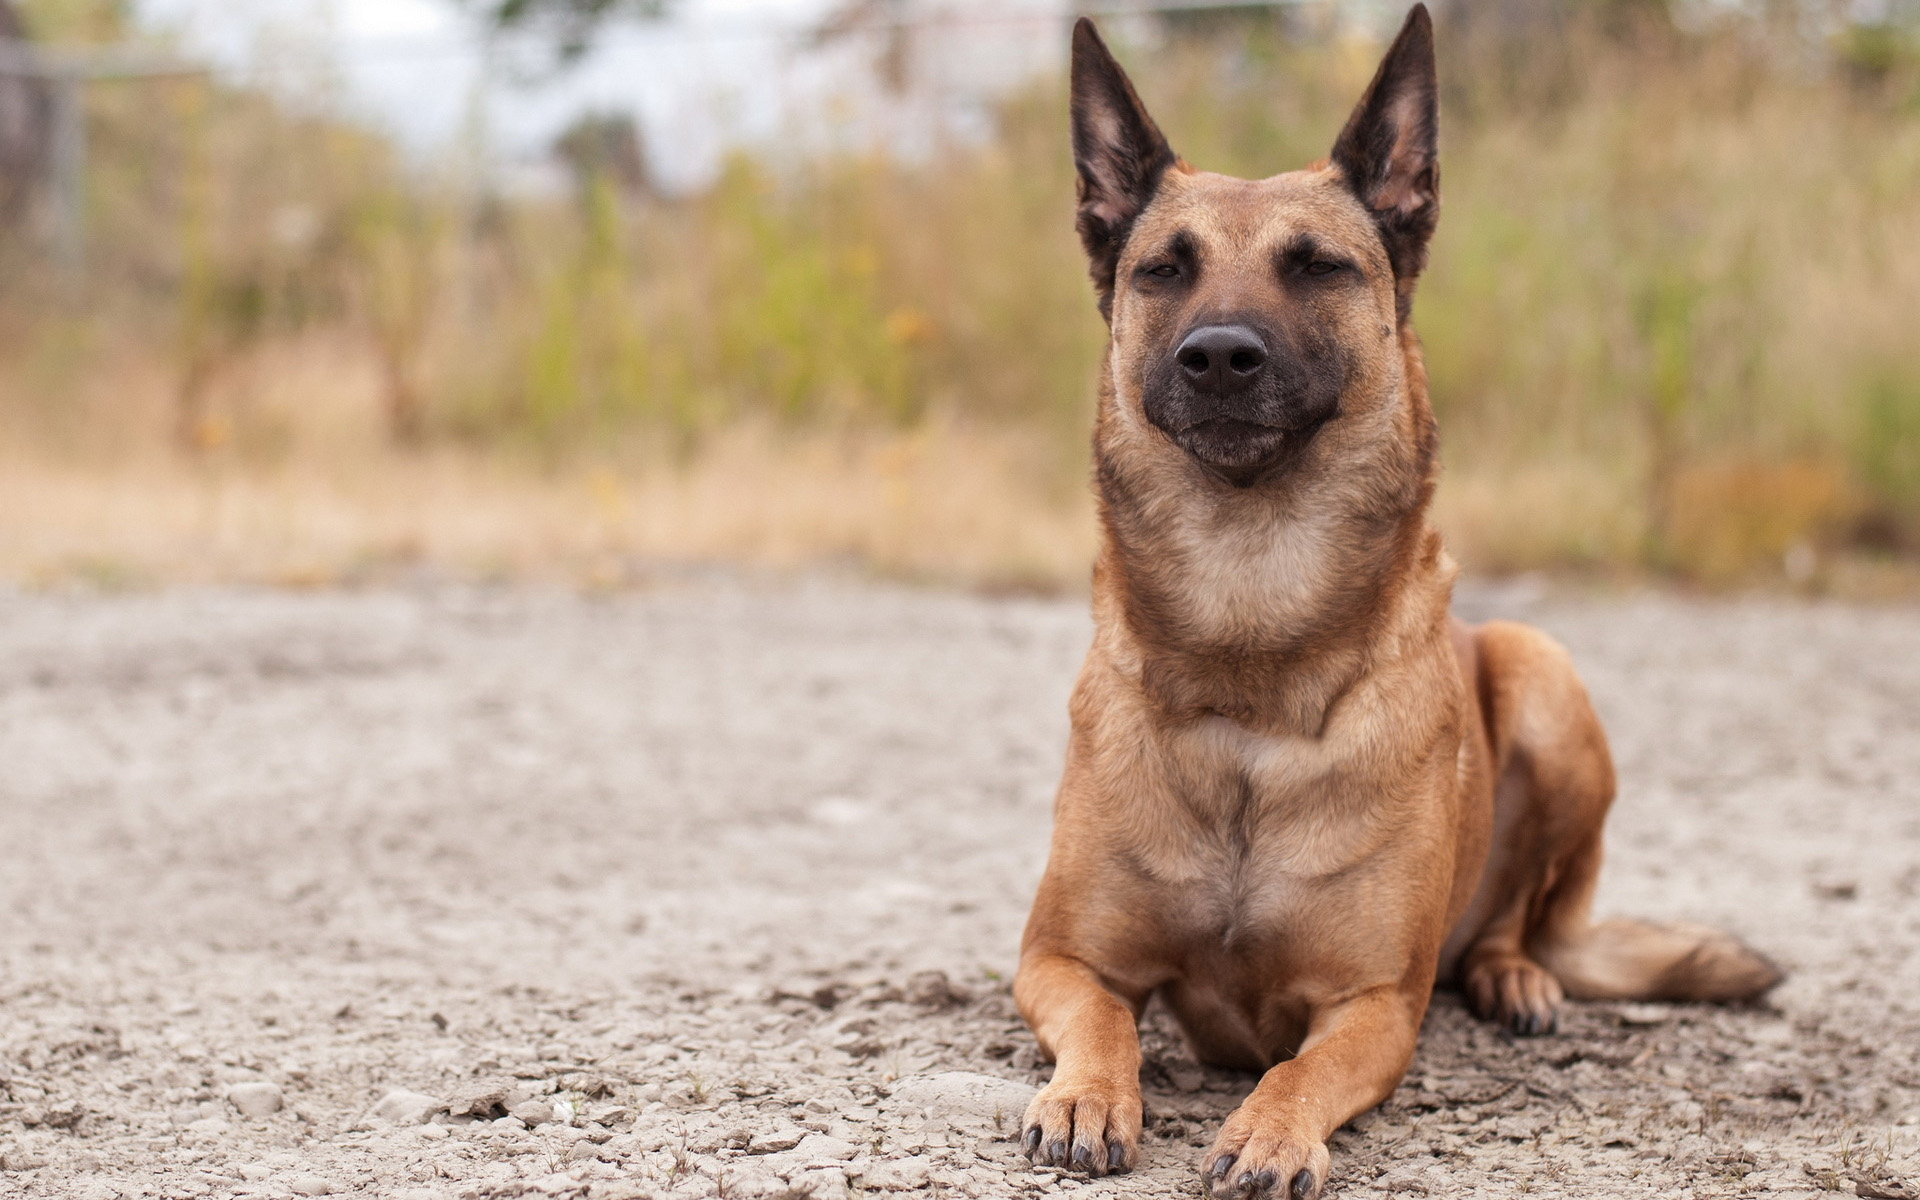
1886, 452
1735, 518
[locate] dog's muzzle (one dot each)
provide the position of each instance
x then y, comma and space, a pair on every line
1232, 397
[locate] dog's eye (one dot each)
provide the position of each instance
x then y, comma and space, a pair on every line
1165, 271
1322, 267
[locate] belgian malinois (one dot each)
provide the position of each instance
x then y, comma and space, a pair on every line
1297, 792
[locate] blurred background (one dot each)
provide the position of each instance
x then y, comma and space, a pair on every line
303, 292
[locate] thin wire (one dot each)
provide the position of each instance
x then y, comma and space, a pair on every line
131, 62
743, 26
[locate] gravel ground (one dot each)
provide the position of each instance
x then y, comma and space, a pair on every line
713, 889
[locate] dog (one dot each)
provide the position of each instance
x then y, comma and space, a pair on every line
1298, 794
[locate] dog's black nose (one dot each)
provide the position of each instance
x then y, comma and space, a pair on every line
1221, 359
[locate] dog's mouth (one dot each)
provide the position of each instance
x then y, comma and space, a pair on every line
1239, 452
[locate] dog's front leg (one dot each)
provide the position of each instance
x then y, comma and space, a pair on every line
1275, 1144
1088, 1118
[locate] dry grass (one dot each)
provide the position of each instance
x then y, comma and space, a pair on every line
307, 490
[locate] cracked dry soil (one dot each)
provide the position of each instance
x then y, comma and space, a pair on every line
713, 889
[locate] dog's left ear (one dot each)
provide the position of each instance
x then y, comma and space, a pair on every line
1389, 151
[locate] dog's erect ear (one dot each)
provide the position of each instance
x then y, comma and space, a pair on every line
1118, 151
1389, 151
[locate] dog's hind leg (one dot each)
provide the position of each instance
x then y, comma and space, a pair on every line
1554, 785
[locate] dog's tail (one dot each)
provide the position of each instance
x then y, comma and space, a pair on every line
1641, 960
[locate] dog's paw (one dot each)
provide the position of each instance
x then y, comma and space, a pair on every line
1089, 1126
1515, 992
1255, 1159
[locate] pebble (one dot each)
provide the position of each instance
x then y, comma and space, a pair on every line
965, 1099
403, 1107
781, 1137
309, 1185
533, 1112
256, 1101
816, 1146
478, 1099
900, 1175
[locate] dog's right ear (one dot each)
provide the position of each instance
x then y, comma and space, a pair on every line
1118, 151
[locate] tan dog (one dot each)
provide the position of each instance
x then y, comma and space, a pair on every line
1297, 794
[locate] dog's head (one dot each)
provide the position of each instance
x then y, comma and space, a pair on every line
1249, 314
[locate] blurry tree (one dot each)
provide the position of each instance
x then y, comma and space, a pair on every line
605, 149
569, 24
889, 20
26, 119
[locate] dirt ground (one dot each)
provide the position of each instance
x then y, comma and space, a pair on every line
712, 888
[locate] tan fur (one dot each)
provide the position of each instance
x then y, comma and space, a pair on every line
1297, 794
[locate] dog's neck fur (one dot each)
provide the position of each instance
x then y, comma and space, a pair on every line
1266, 605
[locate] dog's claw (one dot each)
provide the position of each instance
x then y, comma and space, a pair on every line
1057, 1153
1083, 1158
1218, 1184
1116, 1156
1302, 1185
1030, 1142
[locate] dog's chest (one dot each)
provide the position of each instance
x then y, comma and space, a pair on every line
1259, 825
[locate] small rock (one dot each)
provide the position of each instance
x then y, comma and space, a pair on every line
254, 1172
781, 1137
932, 989
859, 1038
966, 1100
818, 1147
899, 1175
309, 1185
53, 1116
1644, 1014
256, 1101
533, 1112
479, 1099
403, 1107
433, 1133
